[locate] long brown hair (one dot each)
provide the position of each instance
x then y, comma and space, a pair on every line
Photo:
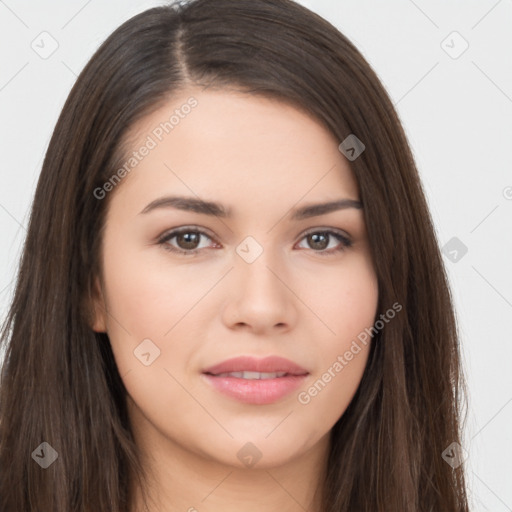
60, 383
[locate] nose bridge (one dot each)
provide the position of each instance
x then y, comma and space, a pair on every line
260, 298
254, 264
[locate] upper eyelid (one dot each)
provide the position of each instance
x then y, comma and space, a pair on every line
176, 231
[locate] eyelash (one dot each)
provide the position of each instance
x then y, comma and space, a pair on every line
165, 238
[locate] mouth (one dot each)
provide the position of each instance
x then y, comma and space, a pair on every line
252, 375
255, 381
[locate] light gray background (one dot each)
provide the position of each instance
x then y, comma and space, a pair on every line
457, 113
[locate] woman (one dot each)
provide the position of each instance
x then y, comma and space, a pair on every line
231, 293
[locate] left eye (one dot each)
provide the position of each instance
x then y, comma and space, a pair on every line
188, 241
321, 240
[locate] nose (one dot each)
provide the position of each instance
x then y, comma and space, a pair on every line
260, 298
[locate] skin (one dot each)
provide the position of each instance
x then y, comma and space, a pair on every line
262, 158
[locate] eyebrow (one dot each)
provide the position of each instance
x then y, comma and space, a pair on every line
197, 205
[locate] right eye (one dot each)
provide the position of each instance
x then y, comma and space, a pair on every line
187, 241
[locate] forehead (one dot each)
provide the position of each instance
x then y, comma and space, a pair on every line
236, 148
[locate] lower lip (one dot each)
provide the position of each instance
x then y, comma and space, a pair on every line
256, 391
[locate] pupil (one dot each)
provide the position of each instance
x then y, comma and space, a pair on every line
190, 240
315, 238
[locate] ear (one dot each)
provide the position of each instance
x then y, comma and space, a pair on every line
99, 318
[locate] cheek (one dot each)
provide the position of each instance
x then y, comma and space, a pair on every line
145, 295
344, 297
144, 302
348, 308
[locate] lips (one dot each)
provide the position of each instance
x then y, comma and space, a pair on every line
271, 364
255, 381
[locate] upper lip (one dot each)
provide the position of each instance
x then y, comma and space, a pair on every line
268, 364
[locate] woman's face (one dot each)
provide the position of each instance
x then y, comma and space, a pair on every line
257, 277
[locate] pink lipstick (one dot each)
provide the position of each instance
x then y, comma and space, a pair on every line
256, 381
